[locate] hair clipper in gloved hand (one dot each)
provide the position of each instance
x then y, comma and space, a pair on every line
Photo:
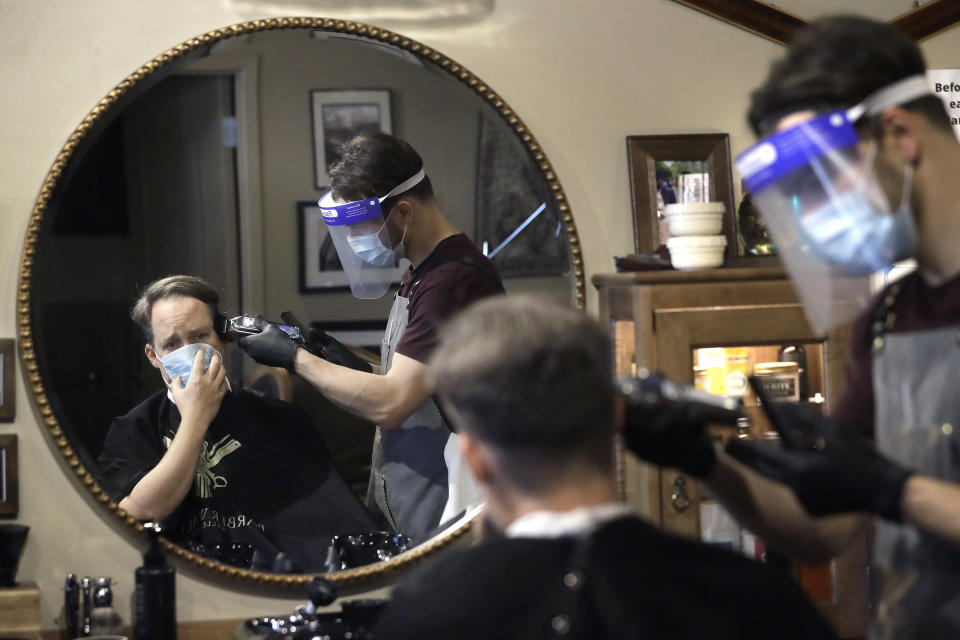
322, 344
666, 422
830, 468
272, 345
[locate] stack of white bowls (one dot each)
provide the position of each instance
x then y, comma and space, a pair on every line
696, 241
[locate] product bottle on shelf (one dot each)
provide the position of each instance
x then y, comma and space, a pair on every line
155, 608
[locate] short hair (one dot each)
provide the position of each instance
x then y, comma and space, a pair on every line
836, 62
188, 286
372, 164
529, 377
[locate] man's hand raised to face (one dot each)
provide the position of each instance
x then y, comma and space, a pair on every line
200, 400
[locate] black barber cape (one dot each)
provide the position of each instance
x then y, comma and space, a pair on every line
626, 581
264, 477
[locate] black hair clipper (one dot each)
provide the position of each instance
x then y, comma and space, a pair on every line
247, 325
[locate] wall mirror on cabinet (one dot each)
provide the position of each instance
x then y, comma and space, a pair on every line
195, 164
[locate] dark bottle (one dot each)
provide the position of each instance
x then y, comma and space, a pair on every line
155, 608
796, 353
71, 608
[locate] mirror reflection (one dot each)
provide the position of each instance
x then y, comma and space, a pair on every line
200, 170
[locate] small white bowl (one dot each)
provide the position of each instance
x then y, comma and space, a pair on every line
696, 252
694, 207
695, 224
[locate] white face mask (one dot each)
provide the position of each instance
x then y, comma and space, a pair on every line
850, 233
180, 362
370, 248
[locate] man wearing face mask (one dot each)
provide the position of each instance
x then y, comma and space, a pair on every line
857, 169
226, 471
381, 208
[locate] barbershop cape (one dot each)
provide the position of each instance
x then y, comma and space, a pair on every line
264, 477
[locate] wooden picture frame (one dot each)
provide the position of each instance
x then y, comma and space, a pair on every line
319, 265
643, 154
9, 476
8, 397
340, 114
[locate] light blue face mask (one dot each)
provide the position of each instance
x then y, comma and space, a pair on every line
370, 248
850, 233
180, 362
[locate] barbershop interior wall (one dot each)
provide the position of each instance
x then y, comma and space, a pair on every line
581, 75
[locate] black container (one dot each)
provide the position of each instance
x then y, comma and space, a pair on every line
796, 353
13, 537
155, 603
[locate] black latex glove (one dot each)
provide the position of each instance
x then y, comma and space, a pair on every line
272, 347
332, 350
672, 436
830, 468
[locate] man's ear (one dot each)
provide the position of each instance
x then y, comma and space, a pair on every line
901, 130
152, 356
476, 456
404, 211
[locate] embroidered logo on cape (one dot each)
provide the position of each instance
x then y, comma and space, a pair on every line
210, 455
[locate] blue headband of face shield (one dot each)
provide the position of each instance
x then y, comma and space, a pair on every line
362, 210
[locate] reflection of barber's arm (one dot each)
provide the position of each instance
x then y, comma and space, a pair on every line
164, 487
771, 510
385, 400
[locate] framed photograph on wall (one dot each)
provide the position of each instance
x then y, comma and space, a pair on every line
9, 478
338, 115
320, 268
8, 407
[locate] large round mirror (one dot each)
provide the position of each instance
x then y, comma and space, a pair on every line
209, 160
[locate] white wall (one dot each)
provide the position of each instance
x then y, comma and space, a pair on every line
582, 75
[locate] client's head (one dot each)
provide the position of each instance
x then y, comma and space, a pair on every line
174, 312
529, 386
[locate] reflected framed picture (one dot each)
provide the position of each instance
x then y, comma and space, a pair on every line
320, 268
339, 115
9, 478
670, 169
8, 407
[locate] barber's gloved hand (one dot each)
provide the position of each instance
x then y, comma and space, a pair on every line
672, 436
332, 350
272, 347
830, 468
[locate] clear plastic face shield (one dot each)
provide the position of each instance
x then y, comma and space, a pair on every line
815, 186
359, 233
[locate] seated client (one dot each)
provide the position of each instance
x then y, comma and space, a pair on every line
529, 386
221, 469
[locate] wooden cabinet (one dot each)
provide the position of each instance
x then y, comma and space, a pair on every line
716, 321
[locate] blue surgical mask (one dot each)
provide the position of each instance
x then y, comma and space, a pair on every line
180, 362
370, 248
850, 233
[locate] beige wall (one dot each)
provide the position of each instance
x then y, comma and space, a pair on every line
581, 74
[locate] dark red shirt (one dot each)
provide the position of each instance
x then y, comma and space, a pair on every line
452, 277
918, 307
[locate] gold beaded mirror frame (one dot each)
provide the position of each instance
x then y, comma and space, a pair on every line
40, 385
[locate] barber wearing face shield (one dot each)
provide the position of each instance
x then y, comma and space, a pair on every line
381, 208
858, 168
